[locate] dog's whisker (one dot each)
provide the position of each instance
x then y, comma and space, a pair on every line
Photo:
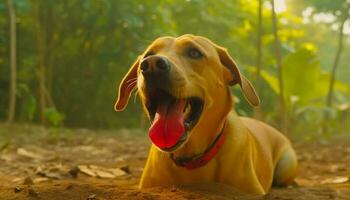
131, 85
132, 79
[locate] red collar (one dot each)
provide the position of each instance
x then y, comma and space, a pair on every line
203, 158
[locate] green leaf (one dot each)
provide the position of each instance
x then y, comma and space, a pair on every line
301, 71
54, 117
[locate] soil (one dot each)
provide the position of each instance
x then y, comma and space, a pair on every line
52, 164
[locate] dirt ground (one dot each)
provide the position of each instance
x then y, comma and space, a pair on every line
53, 164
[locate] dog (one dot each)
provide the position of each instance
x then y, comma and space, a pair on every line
197, 137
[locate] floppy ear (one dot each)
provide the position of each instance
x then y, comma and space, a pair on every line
234, 76
126, 86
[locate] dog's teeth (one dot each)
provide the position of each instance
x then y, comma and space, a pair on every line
187, 109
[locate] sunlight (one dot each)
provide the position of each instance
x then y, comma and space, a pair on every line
324, 18
347, 28
329, 18
280, 6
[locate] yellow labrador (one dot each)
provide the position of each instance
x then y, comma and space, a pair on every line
196, 135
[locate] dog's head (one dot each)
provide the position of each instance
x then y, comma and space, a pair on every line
183, 83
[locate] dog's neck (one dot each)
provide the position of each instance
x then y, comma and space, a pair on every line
208, 129
202, 159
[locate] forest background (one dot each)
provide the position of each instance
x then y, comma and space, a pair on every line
61, 61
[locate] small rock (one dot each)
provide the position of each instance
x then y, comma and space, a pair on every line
91, 197
17, 189
126, 169
74, 172
69, 187
173, 189
32, 192
28, 181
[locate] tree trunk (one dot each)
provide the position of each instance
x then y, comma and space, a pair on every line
50, 42
337, 57
282, 106
41, 61
13, 82
257, 111
335, 66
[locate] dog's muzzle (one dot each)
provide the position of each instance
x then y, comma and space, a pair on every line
171, 117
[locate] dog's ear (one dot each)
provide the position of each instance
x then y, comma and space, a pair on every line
234, 76
126, 86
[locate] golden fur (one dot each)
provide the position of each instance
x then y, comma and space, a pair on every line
253, 156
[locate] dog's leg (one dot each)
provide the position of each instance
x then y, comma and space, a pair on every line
286, 168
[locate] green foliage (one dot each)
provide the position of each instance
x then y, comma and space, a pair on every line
301, 73
54, 117
90, 44
304, 81
333, 6
305, 87
30, 107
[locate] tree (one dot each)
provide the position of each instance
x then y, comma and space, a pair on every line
74, 52
257, 112
343, 18
277, 48
340, 10
41, 61
344, 15
13, 82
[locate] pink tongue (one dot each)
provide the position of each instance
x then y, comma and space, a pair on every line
168, 125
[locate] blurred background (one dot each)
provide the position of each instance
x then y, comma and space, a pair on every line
61, 61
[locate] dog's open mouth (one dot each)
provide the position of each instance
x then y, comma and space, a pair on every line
172, 118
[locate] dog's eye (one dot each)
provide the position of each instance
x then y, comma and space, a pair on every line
194, 53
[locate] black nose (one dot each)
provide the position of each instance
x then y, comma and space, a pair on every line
162, 64
155, 64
